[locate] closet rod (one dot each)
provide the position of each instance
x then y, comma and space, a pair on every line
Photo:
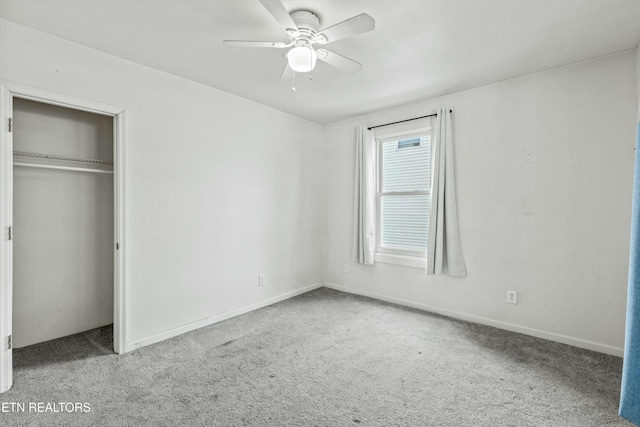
66, 168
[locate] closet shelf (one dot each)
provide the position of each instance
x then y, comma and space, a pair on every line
63, 158
41, 160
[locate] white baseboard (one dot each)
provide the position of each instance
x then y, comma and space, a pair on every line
218, 318
564, 339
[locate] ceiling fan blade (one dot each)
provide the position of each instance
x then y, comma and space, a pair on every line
339, 61
280, 14
288, 73
243, 43
357, 25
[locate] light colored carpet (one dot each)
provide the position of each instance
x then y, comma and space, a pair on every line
324, 358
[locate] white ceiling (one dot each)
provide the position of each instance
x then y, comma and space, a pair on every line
419, 49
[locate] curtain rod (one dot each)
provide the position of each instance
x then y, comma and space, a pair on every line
402, 121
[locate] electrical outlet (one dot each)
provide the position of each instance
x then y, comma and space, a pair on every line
261, 280
345, 268
512, 297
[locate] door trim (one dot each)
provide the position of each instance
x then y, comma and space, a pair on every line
8, 91
6, 252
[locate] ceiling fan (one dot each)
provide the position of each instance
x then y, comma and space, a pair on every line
302, 27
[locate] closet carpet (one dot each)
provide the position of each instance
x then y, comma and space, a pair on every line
324, 358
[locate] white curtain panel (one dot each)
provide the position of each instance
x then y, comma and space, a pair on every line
365, 191
444, 249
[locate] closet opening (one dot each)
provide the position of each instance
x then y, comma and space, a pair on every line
63, 224
62, 239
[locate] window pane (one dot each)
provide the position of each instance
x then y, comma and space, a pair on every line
405, 165
405, 222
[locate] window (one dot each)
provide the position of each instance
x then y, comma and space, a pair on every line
404, 176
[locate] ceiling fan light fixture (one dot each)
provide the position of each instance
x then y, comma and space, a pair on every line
302, 59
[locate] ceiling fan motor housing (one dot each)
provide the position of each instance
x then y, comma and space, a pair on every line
307, 22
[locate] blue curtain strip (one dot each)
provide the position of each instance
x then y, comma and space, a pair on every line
630, 390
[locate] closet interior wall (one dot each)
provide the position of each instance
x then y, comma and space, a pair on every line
63, 222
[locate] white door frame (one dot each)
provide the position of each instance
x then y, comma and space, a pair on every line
8, 91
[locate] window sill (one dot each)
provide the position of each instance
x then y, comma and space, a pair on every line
407, 261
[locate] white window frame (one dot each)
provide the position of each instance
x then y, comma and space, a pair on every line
406, 258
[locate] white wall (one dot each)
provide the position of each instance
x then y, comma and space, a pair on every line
218, 189
63, 225
544, 167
